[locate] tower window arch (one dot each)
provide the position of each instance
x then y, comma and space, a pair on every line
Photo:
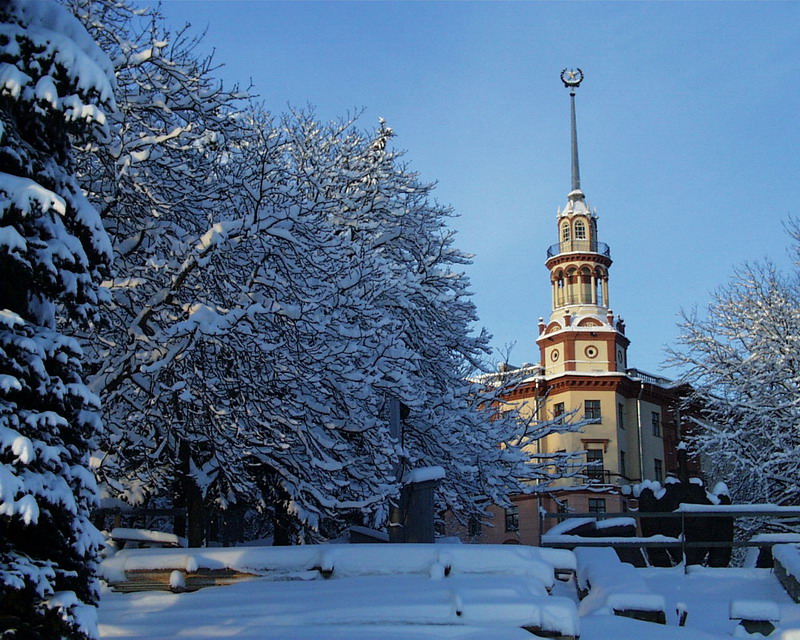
565, 235
580, 230
585, 285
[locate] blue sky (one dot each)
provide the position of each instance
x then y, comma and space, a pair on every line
687, 123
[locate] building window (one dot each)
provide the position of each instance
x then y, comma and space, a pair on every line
621, 415
622, 471
512, 518
562, 506
591, 410
656, 419
595, 472
474, 527
580, 230
659, 467
597, 505
565, 232
558, 409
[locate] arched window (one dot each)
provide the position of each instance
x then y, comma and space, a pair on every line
580, 230
565, 232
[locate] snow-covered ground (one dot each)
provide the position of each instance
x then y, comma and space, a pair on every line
426, 605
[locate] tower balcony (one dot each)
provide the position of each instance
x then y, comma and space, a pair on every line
577, 246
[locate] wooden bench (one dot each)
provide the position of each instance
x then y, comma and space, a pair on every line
159, 580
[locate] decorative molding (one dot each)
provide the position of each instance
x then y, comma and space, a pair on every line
603, 441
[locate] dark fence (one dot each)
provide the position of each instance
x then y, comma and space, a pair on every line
687, 514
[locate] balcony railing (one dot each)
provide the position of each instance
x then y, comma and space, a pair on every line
572, 246
596, 475
648, 377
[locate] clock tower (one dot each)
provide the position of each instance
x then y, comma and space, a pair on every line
582, 333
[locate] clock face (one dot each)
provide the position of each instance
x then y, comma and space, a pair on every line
571, 77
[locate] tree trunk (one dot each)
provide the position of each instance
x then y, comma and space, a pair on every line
192, 497
282, 527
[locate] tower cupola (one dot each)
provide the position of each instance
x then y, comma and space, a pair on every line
579, 264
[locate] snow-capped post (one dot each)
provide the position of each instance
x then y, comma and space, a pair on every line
683, 467
418, 505
56, 89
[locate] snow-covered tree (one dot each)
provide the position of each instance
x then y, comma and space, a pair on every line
162, 180
55, 87
743, 363
385, 210
226, 302
277, 283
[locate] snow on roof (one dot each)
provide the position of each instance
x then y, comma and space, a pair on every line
567, 525
616, 522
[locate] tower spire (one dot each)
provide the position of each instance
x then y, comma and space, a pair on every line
572, 79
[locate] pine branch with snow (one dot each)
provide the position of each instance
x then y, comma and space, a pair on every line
57, 89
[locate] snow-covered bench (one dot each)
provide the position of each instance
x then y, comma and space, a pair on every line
124, 537
756, 616
786, 558
349, 560
444, 584
607, 585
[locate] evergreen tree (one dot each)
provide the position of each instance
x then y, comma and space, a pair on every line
55, 83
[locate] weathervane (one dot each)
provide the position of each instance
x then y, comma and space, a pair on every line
571, 78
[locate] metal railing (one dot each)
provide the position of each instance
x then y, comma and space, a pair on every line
595, 476
575, 246
647, 377
684, 512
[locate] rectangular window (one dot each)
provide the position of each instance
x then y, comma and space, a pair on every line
591, 410
595, 472
659, 467
558, 409
622, 471
621, 415
474, 527
512, 518
656, 420
597, 505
